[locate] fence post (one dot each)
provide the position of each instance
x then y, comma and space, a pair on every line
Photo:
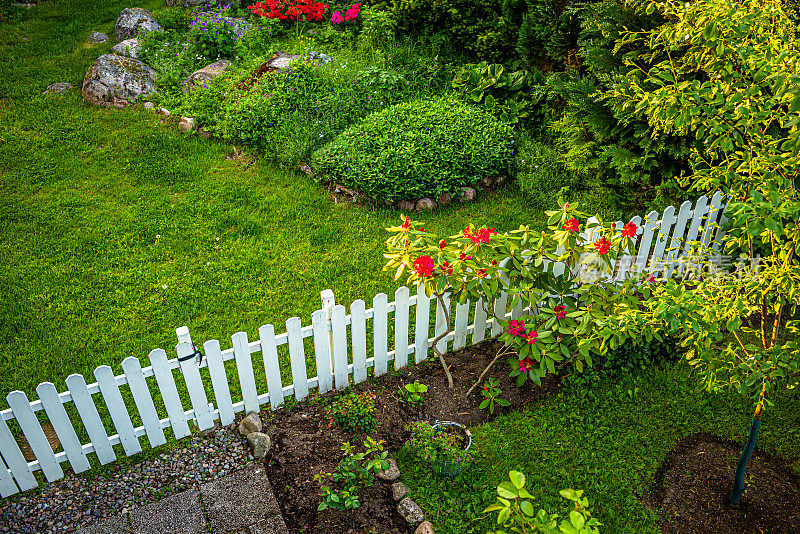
182, 333
328, 302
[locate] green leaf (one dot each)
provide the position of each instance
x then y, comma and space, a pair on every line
527, 508
507, 490
517, 478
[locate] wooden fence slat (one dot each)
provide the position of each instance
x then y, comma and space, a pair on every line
13, 457
518, 311
194, 384
380, 327
244, 368
340, 361
169, 393
117, 410
675, 244
460, 329
358, 334
646, 241
319, 321
219, 380
499, 311
23, 413
625, 262
58, 417
714, 211
272, 366
82, 400
668, 219
297, 357
479, 330
401, 309
7, 485
698, 215
144, 401
719, 237
422, 322
442, 322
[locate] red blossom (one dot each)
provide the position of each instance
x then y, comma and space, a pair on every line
442, 244
525, 364
629, 230
421, 229
494, 263
561, 310
516, 327
602, 245
446, 268
531, 337
485, 388
424, 266
464, 257
481, 273
571, 224
407, 223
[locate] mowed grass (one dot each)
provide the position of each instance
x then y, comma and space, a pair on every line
86, 193
608, 440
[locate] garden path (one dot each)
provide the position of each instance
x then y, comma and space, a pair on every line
240, 503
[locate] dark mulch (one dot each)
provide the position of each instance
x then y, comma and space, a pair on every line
691, 489
307, 443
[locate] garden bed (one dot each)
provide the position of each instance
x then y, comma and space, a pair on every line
307, 443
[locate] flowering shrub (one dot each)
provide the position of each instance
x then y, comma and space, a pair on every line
310, 10
216, 35
435, 446
558, 279
354, 413
350, 14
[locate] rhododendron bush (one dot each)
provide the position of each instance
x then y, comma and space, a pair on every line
564, 317
289, 9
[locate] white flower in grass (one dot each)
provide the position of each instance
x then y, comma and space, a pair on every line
164, 286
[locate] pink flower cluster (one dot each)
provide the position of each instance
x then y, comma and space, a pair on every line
561, 310
517, 329
350, 14
482, 235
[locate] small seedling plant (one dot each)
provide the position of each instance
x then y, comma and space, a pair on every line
435, 445
354, 472
516, 513
353, 412
412, 394
491, 395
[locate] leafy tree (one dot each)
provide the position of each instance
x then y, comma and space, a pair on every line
728, 77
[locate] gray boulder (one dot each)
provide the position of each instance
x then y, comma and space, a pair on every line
128, 47
97, 37
115, 80
132, 20
391, 473
280, 61
61, 88
205, 75
467, 194
251, 423
410, 511
425, 204
261, 444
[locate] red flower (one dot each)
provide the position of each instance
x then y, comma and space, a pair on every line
424, 266
629, 230
531, 337
407, 223
525, 364
446, 268
516, 328
421, 229
485, 388
464, 257
481, 273
602, 245
442, 244
494, 263
467, 232
561, 311
571, 224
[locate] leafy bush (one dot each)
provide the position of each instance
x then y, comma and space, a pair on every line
435, 445
377, 29
418, 149
216, 35
412, 394
353, 472
548, 33
542, 175
354, 412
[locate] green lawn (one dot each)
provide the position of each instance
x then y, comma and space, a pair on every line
608, 440
87, 191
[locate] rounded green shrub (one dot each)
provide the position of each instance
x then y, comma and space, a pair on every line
424, 148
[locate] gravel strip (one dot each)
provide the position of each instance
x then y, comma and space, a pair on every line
76, 501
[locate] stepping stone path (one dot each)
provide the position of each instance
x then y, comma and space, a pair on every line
242, 503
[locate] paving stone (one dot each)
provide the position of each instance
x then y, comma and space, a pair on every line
273, 525
238, 500
112, 525
177, 514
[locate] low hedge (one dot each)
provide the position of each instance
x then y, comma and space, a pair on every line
424, 148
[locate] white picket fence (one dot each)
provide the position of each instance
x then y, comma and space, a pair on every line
340, 345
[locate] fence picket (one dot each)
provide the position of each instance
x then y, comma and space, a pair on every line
714, 211
82, 400
117, 410
219, 380
422, 326
169, 393
668, 219
319, 321
625, 262
684, 213
7, 485
143, 401
499, 311
479, 331
16, 462
58, 417
244, 368
401, 308
272, 367
19, 404
297, 357
194, 383
443, 321
380, 325
358, 335
646, 241
460, 328
339, 327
